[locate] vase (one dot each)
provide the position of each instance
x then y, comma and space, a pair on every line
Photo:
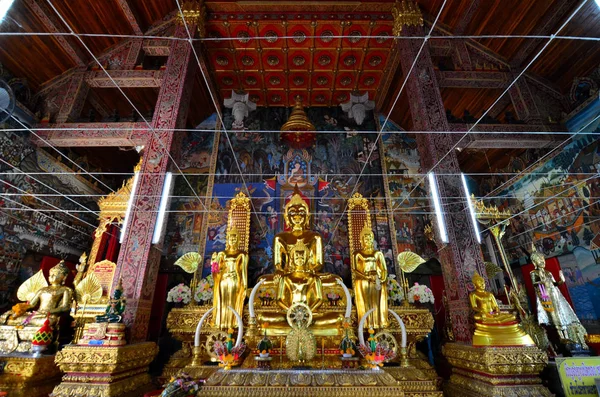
263, 355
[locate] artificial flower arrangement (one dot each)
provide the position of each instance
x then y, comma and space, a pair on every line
333, 298
180, 294
228, 354
375, 353
265, 345
181, 385
204, 290
347, 347
266, 296
420, 293
395, 292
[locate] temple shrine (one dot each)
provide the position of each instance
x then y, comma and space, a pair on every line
298, 198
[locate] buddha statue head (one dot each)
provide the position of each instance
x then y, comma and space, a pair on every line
296, 212
478, 282
58, 274
367, 238
232, 239
537, 258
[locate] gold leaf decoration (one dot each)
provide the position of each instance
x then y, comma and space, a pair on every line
491, 269
33, 284
189, 262
409, 261
89, 290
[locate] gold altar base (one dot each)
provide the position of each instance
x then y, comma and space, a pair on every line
408, 382
25, 376
105, 371
495, 371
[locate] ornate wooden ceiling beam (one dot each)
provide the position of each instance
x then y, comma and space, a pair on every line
466, 18
507, 136
52, 25
157, 47
131, 16
546, 26
94, 134
125, 78
473, 79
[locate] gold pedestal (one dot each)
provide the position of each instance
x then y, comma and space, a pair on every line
495, 371
104, 371
26, 376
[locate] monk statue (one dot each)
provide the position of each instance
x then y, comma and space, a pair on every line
370, 281
298, 258
492, 327
230, 275
43, 300
552, 307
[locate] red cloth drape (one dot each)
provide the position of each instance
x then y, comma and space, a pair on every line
553, 266
49, 262
112, 251
437, 287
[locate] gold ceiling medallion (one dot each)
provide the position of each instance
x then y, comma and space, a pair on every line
375, 61
274, 80
383, 37
194, 13
350, 60
324, 60
271, 36
227, 81
299, 37
276, 98
254, 98
272, 60
243, 37
299, 61
346, 81
320, 98
406, 13
298, 80
247, 60
251, 80
327, 36
355, 36
322, 80
222, 61
369, 81
342, 98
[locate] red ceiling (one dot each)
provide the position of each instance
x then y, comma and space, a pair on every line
300, 58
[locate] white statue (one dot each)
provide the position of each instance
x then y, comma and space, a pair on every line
240, 106
357, 107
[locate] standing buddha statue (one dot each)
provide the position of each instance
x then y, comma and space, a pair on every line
230, 275
370, 281
43, 300
552, 307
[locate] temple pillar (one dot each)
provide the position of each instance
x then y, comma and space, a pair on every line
462, 255
482, 370
138, 259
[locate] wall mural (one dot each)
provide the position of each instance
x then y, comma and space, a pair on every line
558, 210
325, 172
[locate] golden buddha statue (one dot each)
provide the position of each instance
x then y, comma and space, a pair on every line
50, 300
552, 307
369, 273
298, 256
492, 327
230, 275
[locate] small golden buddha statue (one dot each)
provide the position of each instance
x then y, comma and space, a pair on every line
46, 300
492, 327
552, 307
298, 257
230, 275
369, 273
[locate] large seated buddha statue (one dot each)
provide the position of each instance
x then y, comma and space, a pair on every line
42, 300
492, 327
298, 258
